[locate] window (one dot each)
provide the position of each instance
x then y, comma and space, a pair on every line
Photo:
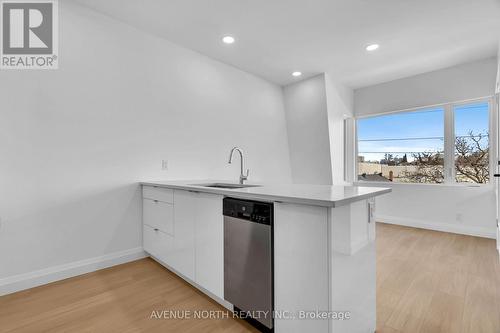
402, 147
444, 144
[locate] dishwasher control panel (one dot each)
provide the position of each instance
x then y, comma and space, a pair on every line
255, 211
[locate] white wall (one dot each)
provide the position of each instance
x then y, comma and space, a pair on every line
471, 80
315, 113
465, 210
74, 142
498, 70
460, 209
308, 132
340, 106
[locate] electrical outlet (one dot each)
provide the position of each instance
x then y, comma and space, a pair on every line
164, 165
459, 217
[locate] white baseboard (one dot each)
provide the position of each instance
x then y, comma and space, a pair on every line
498, 236
37, 278
446, 227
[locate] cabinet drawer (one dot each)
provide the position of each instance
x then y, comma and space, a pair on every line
158, 193
158, 214
158, 244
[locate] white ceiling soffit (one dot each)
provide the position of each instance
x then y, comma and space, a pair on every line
276, 37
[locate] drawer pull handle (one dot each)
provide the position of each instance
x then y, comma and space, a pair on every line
156, 229
156, 201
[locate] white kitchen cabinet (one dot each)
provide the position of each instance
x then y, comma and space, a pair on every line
353, 266
158, 193
187, 234
300, 266
209, 244
183, 257
158, 244
169, 227
325, 261
158, 215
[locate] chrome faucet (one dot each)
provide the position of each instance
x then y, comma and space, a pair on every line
243, 176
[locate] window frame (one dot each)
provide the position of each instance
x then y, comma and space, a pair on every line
449, 143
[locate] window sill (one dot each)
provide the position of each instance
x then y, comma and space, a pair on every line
453, 185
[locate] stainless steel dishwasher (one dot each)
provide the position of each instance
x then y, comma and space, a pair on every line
248, 260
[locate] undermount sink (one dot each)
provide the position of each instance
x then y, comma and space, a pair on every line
225, 185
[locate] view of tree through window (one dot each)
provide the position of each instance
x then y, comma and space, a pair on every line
409, 147
472, 143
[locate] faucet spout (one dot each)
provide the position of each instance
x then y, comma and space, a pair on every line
243, 175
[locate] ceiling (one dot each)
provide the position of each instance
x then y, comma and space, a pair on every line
276, 37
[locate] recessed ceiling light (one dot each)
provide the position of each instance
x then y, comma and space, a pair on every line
228, 39
372, 47
297, 74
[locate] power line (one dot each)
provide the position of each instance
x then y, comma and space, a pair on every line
423, 138
405, 139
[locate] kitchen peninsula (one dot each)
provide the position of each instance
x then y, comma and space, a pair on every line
323, 242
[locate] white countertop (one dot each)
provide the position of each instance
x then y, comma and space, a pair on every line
317, 195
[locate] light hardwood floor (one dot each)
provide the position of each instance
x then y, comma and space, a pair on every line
427, 282
120, 299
